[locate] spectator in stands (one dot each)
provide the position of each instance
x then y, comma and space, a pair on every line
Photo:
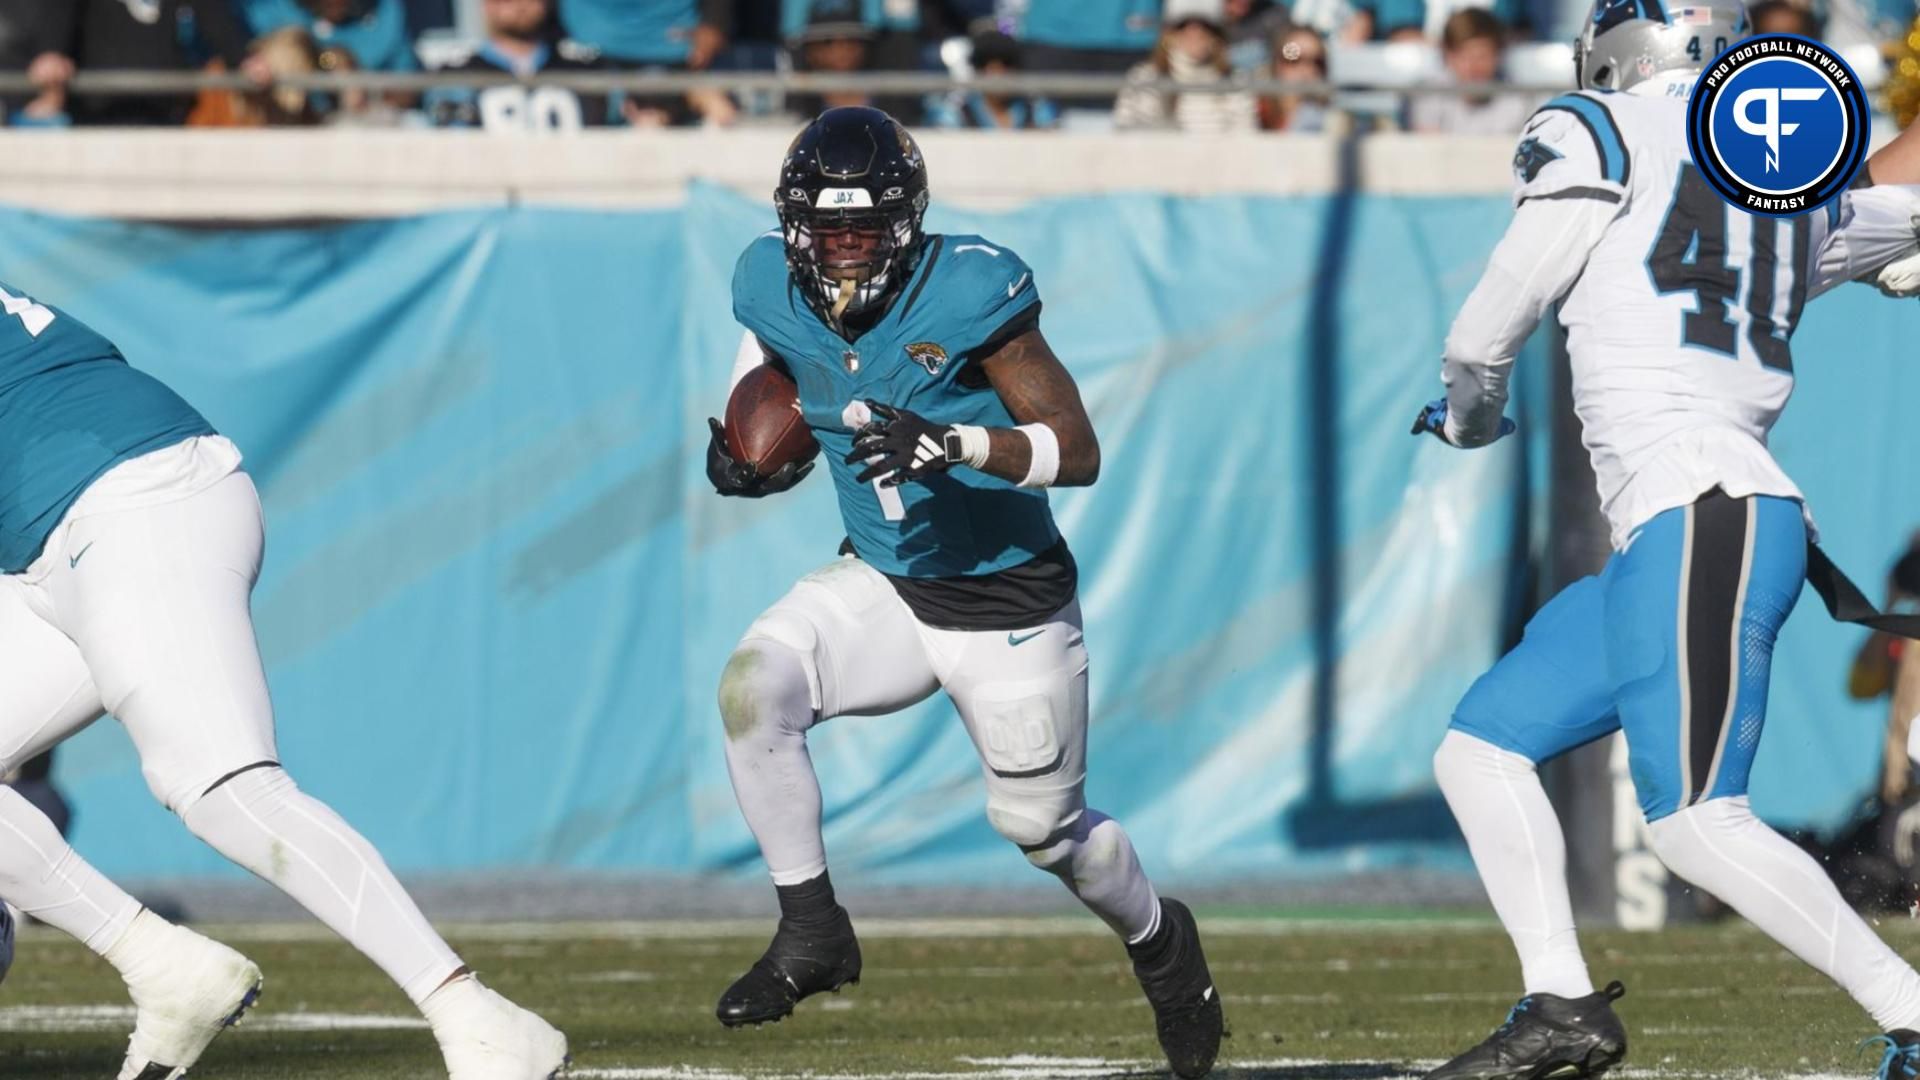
1299, 55
288, 51
1252, 27
1333, 20
1783, 17
1471, 44
1387, 20
1426, 20
107, 35
374, 31
1193, 52
994, 54
835, 40
19, 44
890, 40
517, 42
658, 35
674, 35
1088, 35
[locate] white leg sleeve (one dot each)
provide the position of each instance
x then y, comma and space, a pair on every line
261, 821
839, 643
1518, 848
765, 706
1721, 847
42, 876
1023, 697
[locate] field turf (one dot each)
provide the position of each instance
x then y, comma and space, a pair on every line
1338, 998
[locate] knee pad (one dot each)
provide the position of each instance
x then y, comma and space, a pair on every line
765, 687
1035, 821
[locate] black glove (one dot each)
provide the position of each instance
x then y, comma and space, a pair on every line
900, 446
732, 477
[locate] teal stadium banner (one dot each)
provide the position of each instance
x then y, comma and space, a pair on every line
499, 592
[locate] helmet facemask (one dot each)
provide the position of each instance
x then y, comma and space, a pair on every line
849, 260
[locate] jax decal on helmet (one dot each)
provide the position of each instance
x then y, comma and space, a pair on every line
1778, 124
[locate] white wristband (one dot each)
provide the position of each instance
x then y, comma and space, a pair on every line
1046, 455
974, 442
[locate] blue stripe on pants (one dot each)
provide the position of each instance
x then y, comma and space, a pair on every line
1672, 642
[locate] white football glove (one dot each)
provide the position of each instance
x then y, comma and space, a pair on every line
1901, 278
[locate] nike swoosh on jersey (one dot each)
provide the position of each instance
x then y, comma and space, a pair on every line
1022, 639
74, 560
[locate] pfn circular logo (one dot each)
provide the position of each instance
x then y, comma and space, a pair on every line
1778, 124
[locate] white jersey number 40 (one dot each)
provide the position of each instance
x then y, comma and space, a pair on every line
35, 317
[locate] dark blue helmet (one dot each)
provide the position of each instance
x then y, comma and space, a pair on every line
852, 193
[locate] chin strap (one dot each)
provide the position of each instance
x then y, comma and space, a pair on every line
841, 302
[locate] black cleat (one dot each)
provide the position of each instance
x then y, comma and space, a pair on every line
1900, 1054
801, 962
1548, 1038
1186, 1010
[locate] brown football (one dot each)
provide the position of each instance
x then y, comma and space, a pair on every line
764, 427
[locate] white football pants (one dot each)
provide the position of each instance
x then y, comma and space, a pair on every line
843, 643
140, 606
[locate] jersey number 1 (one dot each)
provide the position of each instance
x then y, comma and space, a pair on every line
1690, 256
35, 317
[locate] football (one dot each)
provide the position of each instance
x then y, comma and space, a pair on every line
764, 427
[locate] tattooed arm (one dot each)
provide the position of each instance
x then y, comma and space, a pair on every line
1036, 389
1054, 445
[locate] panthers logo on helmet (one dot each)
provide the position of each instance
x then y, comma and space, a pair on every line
928, 355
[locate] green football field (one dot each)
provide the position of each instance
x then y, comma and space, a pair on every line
1340, 997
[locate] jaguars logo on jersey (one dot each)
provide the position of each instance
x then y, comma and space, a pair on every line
928, 355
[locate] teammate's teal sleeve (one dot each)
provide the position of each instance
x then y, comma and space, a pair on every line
70, 409
965, 298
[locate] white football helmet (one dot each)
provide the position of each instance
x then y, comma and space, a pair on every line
1626, 42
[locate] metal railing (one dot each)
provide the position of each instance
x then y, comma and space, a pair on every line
648, 83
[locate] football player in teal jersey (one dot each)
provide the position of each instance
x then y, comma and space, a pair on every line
130, 540
944, 416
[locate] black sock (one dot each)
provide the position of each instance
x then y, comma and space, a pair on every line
809, 903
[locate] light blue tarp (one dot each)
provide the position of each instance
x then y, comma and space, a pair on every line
499, 592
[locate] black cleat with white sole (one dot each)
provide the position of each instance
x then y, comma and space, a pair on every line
1547, 1037
1172, 969
804, 960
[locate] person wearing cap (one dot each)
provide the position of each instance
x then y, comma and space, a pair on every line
1193, 52
994, 55
834, 40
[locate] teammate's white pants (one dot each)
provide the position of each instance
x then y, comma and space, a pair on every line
1718, 845
842, 643
140, 606
42, 876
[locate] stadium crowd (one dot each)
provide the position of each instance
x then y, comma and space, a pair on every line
1152, 41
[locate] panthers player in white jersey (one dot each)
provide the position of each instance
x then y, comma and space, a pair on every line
1678, 309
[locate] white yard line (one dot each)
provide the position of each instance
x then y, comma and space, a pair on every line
706, 929
1039, 1067
119, 1018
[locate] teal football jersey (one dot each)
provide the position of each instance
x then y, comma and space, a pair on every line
961, 297
70, 409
